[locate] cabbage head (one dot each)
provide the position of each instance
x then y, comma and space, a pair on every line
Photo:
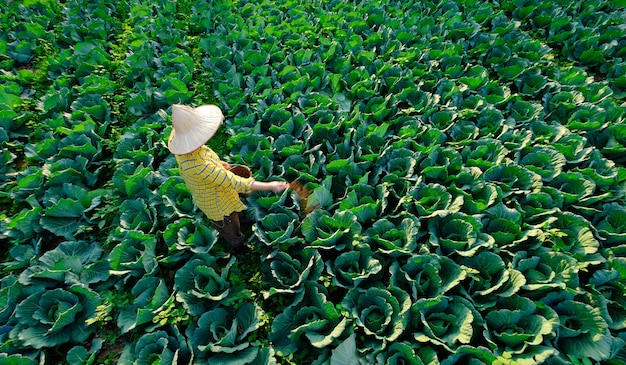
448, 322
576, 238
583, 331
287, 274
473, 355
427, 276
324, 231
458, 233
542, 204
201, 280
134, 253
395, 237
546, 270
186, 235
490, 278
277, 229
313, 321
351, 268
223, 331
177, 198
71, 262
428, 200
158, 347
382, 313
546, 161
473, 191
405, 353
504, 224
49, 318
519, 328
149, 294
611, 224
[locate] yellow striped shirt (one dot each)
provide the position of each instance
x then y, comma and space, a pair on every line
215, 190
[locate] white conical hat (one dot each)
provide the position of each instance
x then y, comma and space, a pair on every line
193, 127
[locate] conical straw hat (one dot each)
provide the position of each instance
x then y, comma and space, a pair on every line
193, 127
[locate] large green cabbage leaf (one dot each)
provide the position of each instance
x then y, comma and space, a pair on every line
72, 262
149, 293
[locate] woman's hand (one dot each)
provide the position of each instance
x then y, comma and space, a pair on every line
225, 165
278, 186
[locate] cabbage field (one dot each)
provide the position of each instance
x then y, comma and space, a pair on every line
466, 160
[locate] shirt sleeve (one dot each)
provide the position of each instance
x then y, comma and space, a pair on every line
211, 172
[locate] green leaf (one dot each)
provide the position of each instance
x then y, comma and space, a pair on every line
346, 353
149, 293
583, 332
475, 77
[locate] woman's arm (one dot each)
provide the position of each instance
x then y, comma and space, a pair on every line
275, 186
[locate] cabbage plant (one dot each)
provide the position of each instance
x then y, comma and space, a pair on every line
382, 313
177, 197
427, 276
163, 346
134, 254
47, 318
351, 268
312, 321
458, 233
448, 322
287, 273
395, 237
150, 294
405, 353
325, 231
610, 224
490, 278
71, 262
546, 270
429, 200
583, 331
278, 229
201, 280
220, 335
520, 329
187, 236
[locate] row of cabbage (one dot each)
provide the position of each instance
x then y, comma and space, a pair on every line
467, 177
472, 199
84, 89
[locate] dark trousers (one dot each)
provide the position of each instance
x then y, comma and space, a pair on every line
230, 229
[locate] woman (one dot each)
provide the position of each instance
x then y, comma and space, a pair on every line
214, 188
